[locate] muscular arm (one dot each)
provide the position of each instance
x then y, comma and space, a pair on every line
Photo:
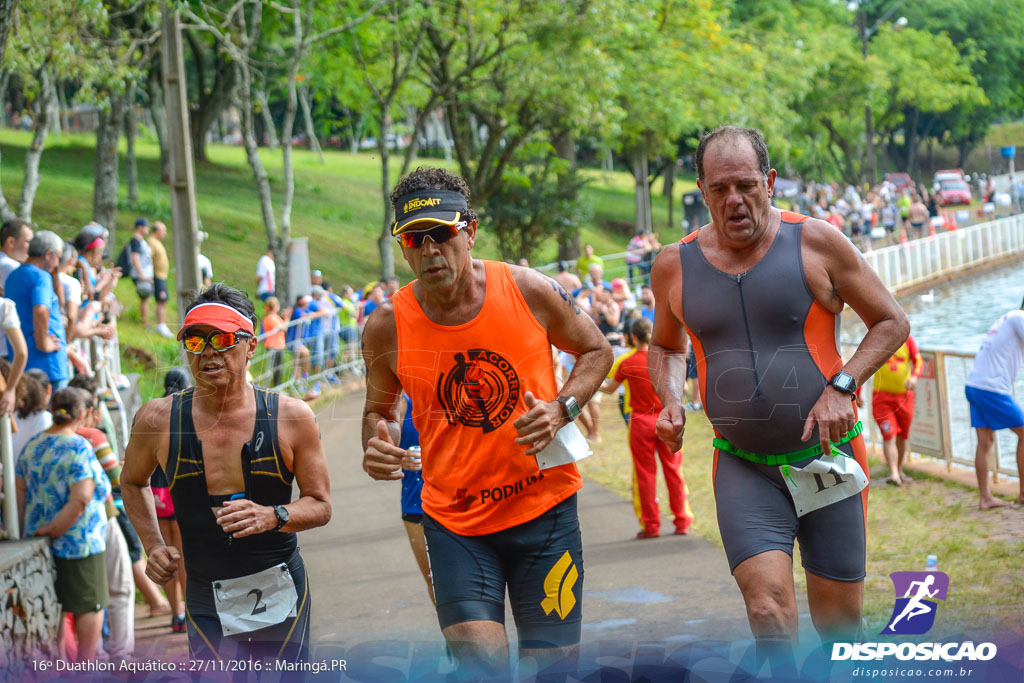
569, 329
149, 432
300, 435
837, 275
381, 456
666, 357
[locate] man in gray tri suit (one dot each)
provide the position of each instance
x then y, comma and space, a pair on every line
231, 452
760, 291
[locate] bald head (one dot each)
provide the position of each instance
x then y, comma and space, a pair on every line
159, 230
736, 137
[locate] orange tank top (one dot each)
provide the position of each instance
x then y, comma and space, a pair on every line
467, 384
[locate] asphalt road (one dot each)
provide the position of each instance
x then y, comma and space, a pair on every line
368, 595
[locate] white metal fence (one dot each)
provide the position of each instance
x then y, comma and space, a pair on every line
947, 253
941, 427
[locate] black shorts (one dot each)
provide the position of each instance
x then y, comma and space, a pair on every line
540, 562
832, 539
287, 641
160, 289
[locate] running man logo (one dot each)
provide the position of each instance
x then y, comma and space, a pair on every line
418, 203
460, 501
481, 390
558, 586
916, 595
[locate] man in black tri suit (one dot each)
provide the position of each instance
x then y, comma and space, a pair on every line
231, 452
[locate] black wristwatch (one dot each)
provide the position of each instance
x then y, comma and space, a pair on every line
281, 512
570, 406
844, 382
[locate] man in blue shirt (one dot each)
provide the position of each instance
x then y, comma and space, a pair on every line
30, 287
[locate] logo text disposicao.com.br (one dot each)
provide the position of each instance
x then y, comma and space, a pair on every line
913, 613
922, 652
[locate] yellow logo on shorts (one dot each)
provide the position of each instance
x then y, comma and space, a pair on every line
558, 587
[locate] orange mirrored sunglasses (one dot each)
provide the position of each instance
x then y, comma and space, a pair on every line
219, 341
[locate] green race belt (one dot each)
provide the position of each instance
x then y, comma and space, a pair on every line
788, 458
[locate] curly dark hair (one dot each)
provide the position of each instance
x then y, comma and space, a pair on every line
733, 133
220, 293
427, 178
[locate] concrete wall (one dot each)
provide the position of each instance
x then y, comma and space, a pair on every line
29, 612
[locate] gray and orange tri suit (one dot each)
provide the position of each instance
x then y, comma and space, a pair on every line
765, 350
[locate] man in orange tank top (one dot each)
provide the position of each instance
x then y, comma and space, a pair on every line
470, 342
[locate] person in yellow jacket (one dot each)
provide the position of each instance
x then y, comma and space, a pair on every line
892, 405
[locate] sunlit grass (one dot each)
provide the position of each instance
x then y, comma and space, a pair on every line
980, 551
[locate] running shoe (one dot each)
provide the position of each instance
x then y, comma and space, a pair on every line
164, 331
647, 534
178, 623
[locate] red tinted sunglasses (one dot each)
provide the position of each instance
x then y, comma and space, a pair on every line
437, 235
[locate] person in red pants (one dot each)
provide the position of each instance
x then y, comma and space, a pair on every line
647, 449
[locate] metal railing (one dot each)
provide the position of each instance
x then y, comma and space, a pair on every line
294, 381
941, 428
10, 508
927, 258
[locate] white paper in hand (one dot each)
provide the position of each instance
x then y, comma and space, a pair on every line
569, 445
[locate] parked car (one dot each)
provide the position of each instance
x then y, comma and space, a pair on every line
900, 180
954, 192
946, 174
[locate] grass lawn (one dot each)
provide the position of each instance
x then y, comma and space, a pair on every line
337, 206
980, 551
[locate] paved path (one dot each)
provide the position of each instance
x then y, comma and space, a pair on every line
370, 604
367, 586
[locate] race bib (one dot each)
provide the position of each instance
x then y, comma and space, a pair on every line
257, 601
826, 480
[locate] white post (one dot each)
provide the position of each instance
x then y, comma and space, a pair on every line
10, 493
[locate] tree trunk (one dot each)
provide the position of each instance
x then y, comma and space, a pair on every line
314, 143
53, 108
356, 128
108, 127
910, 138
568, 239
642, 190
245, 110
35, 150
5, 79
268, 120
158, 112
441, 131
130, 126
963, 150
6, 21
385, 243
62, 104
670, 181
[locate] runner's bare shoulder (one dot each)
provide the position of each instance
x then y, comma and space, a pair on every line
154, 416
